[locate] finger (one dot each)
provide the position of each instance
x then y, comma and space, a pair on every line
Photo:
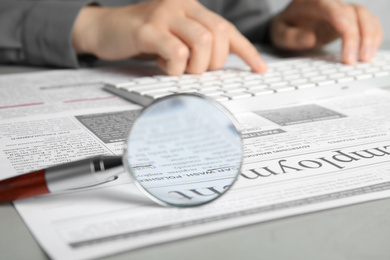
172, 51
169, 67
367, 31
378, 36
329, 11
220, 30
339, 15
199, 39
245, 50
174, 55
292, 38
350, 37
238, 44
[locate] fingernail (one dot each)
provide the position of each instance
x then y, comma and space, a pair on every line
366, 54
260, 65
305, 40
343, 21
374, 50
349, 56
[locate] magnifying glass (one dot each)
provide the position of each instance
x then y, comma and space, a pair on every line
182, 150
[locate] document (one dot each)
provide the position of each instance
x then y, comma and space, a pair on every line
302, 158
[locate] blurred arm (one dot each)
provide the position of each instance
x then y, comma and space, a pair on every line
251, 17
38, 32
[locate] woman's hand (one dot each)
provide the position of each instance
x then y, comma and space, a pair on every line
184, 35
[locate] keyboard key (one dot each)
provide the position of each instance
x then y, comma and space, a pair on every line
386, 67
363, 65
372, 70
382, 74
319, 62
298, 81
302, 65
232, 80
143, 91
252, 77
187, 81
308, 69
212, 73
123, 84
228, 76
211, 93
211, 82
329, 71
283, 88
346, 79
156, 95
158, 85
220, 98
337, 76
253, 82
310, 74
355, 72
289, 72
325, 67
244, 73
306, 85
145, 80
187, 76
232, 85
364, 76
379, 62
208, 78
282, 67
260, 92
271, 80
272, 75
291, 77
173, 79
318, 78
190, 90
236, 95
188, 86
260, 86
279, 84
232, 90
345, 68
207, 87
166, 78
326, 82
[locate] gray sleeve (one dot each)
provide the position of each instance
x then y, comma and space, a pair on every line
251, 17
38, 32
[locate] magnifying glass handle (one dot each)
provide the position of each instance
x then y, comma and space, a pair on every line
67, 176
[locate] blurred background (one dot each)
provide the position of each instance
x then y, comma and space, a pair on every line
380, 8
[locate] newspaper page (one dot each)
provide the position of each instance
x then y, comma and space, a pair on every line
298, 159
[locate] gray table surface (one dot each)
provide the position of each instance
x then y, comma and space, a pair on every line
359, 231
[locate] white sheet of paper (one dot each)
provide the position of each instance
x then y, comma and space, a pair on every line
329, 154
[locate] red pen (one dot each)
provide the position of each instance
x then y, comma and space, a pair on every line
74, 175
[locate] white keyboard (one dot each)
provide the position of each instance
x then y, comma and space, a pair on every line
241, 89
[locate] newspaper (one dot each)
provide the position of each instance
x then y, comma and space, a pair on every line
298, 159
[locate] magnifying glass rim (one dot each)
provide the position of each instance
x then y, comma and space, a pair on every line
129, 169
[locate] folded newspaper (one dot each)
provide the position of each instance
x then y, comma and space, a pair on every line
301, 158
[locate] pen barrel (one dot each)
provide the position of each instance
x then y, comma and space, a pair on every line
79, 174
23, 186
74, 175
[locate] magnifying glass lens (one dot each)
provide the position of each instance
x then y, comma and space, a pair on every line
184, 150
